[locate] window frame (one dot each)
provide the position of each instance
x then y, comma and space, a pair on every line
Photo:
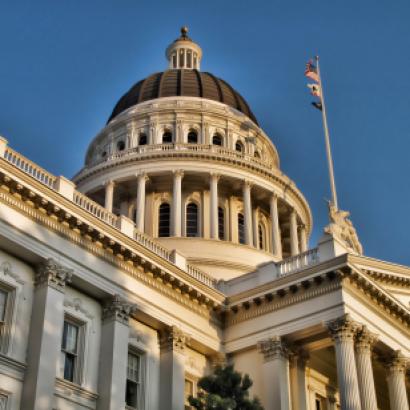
78, 364
239, 144
221, 223
220, 137
194, 380
159, 220
145, 141
198, 228
241, 232
6, 323
167, 133
142, 378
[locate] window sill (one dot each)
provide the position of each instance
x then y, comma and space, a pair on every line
72, 391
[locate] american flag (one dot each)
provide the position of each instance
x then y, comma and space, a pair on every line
311, 71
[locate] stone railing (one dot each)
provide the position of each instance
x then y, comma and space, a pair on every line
93, 208
29, 167
180, 147
298, 262
66, 188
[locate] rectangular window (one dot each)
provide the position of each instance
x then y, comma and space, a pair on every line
72, 349
189, 390
3, 304
133, 392
320, 403
7, 297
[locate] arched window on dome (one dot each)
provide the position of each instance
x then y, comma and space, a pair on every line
167, 137
221, 223
192, 226
257, 155
181, 58
192, 137
239, 147
261, 237
189, 58
174, 60
120, 145
142, 140
217, 139
164, 219
241, 228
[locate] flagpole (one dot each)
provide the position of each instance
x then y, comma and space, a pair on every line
327, 140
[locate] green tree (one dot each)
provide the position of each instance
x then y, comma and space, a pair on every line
225, 389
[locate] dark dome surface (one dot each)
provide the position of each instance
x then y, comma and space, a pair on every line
188, 83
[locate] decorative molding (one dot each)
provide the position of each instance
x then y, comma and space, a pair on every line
396, 363
174, 339
365, 340
117, 309
273, 348
51, 273
7, 270
343, 329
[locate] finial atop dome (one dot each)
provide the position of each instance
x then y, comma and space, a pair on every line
183, 53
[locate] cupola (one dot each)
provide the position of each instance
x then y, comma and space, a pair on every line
183, 53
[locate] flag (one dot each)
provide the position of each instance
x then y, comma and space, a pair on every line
315, 90
317, 105
311, 71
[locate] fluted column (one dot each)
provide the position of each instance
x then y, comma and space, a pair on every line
294, 242
247, 210
45, 335
396, 382
303, 239
172, 369
343, 331
363, 347
214, 178
276, 373
297, 372
113, 354
274, 216
141, 181
177, 203
109, 195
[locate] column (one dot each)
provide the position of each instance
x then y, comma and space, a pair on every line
294, 243
113, 354
177, 203
298, 380
45, 335
303, 239
276, 373
214, 205
247, 211
396, 382
140, 205
363, 347
172, 369
343, 331
274, 217
109, 195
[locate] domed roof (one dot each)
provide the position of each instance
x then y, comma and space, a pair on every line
182, 82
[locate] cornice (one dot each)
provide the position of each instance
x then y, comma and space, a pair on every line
105, 241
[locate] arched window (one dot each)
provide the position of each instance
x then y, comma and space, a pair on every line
167, 137
192, 220
120, 146
239, 146
257, 155
192, 137
241, 228
217, 139
221, 224
104, 154
261, 237
164, 220
142, 139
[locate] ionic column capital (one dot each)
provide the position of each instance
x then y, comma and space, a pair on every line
117, 309
51, 273
247, 184
365, 340
174, 339
343, 329
109, 183
178, 173
142, 176
273, 348
215, 176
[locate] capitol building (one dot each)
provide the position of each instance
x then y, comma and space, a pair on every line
179, 246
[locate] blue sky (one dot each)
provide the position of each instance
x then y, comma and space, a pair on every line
64, 64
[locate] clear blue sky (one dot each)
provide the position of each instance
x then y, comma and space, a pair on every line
64, 64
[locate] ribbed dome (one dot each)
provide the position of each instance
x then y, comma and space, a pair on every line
189, 83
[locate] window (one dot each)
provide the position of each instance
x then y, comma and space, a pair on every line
261, 237
133, 392
192, 137
104, 154
217, 140
239, 146
120, 146
189, 59
3, 401
320, 403
181, 59
3, 304
257, 155
164, 220
167, 137
189, 390
241, 228
174, 60
221, 223
142, 139
7, 296
192, 220
71, 350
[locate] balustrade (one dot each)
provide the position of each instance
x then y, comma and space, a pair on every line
298, 262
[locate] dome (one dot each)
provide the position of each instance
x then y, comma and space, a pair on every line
183, 82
